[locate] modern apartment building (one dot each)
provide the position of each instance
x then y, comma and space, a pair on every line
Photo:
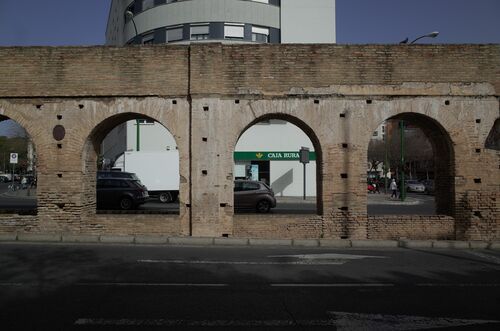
261, 149
258, 21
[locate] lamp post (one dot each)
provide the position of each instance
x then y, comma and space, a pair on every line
433, 34
130, 16
402, 194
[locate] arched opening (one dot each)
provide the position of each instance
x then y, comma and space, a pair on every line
268, 151
410, 168
18, 172
134, 161
493, 139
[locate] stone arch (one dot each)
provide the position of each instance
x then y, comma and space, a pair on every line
444, 157
493, 139
311, 135
91, 148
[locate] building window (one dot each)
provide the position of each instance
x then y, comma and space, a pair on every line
199, 32
174, 34
375, 133
234, 31
148, 39
260, 35
146, 4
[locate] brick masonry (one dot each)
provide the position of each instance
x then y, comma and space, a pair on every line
338, 94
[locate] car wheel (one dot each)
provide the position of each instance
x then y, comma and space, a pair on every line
165, 197
126, 203
263, 206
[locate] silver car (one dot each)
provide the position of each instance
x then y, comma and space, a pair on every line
251, 194
413, 185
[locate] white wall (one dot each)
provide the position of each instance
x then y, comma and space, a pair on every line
286, 176
153, 137
311, 21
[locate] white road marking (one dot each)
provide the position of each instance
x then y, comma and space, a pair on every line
340, 320
485, 256
299, 262
334, 285
357, 321
154, 284
205, 323
329, 256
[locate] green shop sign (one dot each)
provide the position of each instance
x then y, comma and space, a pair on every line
270, 156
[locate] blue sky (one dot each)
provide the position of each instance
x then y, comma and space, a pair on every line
83, 22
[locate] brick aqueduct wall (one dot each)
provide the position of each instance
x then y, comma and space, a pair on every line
207, 95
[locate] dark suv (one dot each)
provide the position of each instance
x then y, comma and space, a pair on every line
253, 194
122, 193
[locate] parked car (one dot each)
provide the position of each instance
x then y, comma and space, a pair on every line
250, 194
413, 185
116, 174
429, 186
121, 193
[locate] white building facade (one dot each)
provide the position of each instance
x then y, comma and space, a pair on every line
267, 151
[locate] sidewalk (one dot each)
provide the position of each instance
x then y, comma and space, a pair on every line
385, 199
74, 238
29, 193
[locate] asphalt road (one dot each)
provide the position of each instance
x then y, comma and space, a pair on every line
113, 287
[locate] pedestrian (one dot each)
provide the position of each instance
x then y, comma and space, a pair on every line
24, 183
376, 185
394, 188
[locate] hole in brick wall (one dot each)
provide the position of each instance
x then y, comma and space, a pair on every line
478, 120
344, 237
60, 205
369, 102
478, 150
204, 172
39, 106
477, 180
59, 146
447, 102
188, 205
316, 101
59, 175
343, 176
477, 213
345, 145
81, 106
204, 139
205, 108
174, 102
344, 208
225, 235
342, 115
236, 101
59, 117
223, 204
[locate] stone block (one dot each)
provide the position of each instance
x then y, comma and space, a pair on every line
39, 237
194, 241
335, 243
270, 242
231, 241
109, 239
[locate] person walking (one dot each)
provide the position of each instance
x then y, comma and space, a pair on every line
394, 188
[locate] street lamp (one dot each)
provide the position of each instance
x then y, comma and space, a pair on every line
433, 34
130, 16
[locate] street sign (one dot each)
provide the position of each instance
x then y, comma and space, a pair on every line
13, 158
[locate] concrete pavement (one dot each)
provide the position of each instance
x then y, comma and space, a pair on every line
209, 241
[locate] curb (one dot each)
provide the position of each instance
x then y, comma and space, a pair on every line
210, 241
